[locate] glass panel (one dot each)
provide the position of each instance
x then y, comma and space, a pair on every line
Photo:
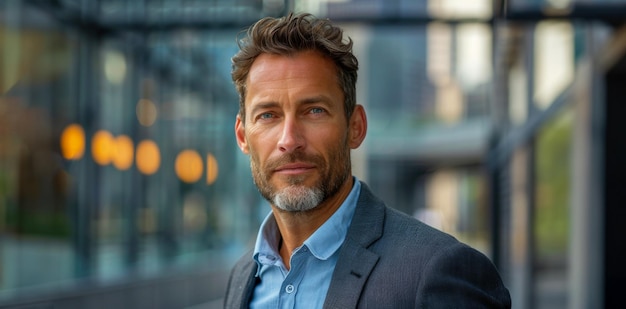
552, 214
36, 71
117, 155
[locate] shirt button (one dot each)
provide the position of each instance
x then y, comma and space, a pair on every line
289, 289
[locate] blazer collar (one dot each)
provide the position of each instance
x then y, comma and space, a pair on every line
242, 285
355, 261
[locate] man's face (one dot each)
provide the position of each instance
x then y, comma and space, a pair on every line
295, 130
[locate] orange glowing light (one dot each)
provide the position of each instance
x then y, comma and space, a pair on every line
189, 166
103, 147
212, 169
73, 142
123, 158
148, 157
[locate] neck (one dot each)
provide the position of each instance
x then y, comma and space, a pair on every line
296, 227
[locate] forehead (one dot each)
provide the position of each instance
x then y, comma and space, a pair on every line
307, 66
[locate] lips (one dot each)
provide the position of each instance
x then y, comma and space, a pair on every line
294, 168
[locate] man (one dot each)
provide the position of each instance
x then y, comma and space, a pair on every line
329, 242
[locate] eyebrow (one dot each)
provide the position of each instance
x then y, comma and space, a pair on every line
263, 105
306, 101
316, 99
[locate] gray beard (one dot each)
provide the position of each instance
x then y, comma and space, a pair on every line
297, 198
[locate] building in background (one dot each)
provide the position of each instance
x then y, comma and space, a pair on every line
121, 183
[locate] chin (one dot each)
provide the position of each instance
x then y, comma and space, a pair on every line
297, 198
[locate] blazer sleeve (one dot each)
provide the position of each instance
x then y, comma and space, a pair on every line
461, 277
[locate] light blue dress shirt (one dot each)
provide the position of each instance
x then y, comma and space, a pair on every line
312, 264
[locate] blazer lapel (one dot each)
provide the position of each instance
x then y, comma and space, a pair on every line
243, 286
356, 262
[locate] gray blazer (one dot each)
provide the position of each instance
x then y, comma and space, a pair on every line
391, 260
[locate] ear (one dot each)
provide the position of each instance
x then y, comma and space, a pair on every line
240, 133
358, 127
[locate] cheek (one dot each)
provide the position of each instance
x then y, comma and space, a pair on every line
332, 146
259, 149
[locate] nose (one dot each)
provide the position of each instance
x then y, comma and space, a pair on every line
291, 138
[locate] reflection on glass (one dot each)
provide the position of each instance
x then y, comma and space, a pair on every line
148, 157
73, 142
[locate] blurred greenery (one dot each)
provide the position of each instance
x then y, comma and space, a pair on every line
553, 160
38, 222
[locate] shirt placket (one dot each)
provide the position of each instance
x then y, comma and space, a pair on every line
289, 288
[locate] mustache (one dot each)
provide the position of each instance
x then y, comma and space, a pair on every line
293, 157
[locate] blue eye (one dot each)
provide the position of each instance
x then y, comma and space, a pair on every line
317, 110
265, 116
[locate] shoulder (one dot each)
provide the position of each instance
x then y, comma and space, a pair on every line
437, 267
400, 228
376, 225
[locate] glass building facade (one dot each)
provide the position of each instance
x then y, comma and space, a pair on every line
121, 183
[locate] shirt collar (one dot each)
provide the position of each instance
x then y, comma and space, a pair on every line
322, 243
329, 237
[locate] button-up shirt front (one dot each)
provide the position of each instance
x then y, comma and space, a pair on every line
312, 264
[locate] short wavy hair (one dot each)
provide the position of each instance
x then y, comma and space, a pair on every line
288, 36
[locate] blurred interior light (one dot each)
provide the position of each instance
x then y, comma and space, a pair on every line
460, 8
148, 157
146, 112
114, 66
474, 54
188, 166
103, 147
442, 194
449, 103
73, 142
518, 94
554, 60
559, 4
439, 44
212, 169
147, 221
194, 213
123, 156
